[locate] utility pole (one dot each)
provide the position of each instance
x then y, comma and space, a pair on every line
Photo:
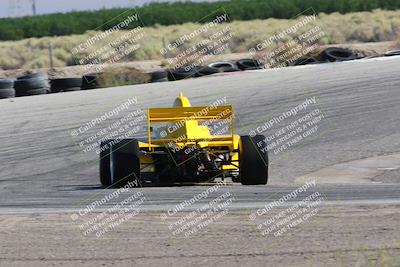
33, 7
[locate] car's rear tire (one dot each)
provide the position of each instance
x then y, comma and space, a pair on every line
105, 172
125, 162
253, 160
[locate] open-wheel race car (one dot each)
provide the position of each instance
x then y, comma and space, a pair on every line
192, 145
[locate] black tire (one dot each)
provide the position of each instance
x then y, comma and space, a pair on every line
125, 162
6, 84
58, 85
181, 74
253, 161
160, 80
248, 64
158, 76
228, 69
89, 81
30, 92
223, 66
40, 75
7, 93
392, 53
305, 61
72, 89
337, 54
205, 70
33, 83
105, 171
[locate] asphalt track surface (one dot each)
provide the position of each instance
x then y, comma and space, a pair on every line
43, 169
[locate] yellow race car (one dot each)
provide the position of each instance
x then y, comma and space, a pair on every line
190, 145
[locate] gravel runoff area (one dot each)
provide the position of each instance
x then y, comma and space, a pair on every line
335, 236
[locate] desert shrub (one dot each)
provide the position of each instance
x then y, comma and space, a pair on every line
119, 76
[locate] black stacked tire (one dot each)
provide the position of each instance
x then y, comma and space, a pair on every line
158, 76
6, 88
125, 162
306, 60
181, 74
205, 70
253, 160
223, 66
392, 53
333, 54
66, 85
40, 75
32, 84
248, 64
89, 81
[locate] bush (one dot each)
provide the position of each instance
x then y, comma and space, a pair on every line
119, 76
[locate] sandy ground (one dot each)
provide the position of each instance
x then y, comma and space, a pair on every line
340, 236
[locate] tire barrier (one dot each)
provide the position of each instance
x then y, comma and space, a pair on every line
392, 53
41, 75
65, 85
180, 74
89, 81
158, 76
32, 84
204, 71
224, 66
37, 83
305, 61
6, 88
248, 64
333, 54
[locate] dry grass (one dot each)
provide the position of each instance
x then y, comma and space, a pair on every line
353, 27
119, 76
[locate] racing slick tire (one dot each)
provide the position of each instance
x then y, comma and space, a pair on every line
253, 160
125, 162
105, 172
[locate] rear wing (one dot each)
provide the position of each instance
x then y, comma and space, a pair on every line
189, 114
184, 114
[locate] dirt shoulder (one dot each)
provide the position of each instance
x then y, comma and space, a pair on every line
340, 236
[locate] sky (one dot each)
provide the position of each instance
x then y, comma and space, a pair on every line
13, 8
